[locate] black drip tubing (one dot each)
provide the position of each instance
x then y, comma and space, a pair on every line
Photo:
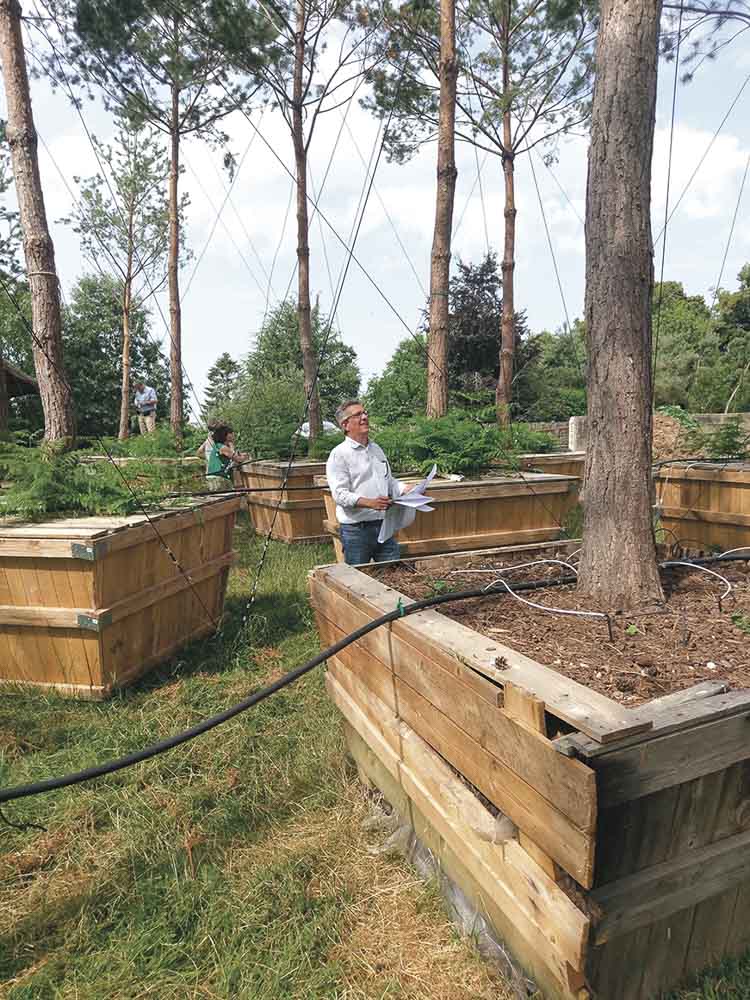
401, 611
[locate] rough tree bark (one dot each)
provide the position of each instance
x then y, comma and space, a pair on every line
4, 402
309, 364
437, 339
504, 389
39, 252
173, 266
127, 297
618, 563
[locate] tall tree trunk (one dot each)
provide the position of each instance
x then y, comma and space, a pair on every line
173, 264
127, 299
437, 339
504, 389
618, 562
309, 363
4, 402
125, 397
54, 388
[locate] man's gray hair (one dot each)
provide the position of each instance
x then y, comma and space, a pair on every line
341, 411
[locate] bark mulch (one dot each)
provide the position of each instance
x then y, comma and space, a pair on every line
652, 653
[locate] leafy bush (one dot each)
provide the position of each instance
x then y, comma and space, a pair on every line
525, 439
44, 484
324, 445
265, 414
677, 413
729, 440
160, 443
456, 443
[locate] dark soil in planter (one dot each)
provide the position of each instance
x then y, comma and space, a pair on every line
652, 653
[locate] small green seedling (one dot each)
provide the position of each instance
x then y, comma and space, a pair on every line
438, 587
742, 621
631, 630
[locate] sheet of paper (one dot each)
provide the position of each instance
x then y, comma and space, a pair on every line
404, 508
421, 487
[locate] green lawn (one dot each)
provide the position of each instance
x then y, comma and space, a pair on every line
233, 867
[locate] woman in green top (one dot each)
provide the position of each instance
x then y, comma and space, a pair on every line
222, 459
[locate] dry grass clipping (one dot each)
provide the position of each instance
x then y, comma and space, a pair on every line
397, 940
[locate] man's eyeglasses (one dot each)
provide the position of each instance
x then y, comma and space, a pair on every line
352, 416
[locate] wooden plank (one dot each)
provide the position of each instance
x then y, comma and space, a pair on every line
738, 940
593, 714
555, 833
525, 708
660, 890
357, 658
529, 711
671, 760
712, 922
452, 866
167, 588
536, 904
368, 670
666, 951
528, 755
41, 616
708, 516
682, 710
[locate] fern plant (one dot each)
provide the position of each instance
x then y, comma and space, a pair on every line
43, 484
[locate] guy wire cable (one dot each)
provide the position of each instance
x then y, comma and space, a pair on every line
367, 190
666, 201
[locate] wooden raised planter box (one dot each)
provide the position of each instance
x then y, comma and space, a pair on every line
89, 604
481, 513
705, 504
629, 866
562, 463
300, 512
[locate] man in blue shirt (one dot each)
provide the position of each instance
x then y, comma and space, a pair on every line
145, 404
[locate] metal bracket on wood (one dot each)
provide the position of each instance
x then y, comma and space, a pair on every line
94, 623
90, 553
79, 551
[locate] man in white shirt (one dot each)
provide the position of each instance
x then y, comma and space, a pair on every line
363, 486
145, 404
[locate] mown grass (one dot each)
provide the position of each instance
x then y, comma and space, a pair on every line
234, 867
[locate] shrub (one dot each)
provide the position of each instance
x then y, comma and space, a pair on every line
323, 446
44, 484
456, 443
729, 440
265, 414
161, 443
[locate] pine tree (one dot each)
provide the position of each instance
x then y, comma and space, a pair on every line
221, 380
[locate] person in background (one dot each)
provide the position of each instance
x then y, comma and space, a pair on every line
363, 486
205, 449
145, 404
223, 458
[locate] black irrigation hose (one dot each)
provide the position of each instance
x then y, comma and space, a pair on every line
401, 611
99, 770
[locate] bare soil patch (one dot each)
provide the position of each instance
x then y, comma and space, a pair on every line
670, 439
650, 653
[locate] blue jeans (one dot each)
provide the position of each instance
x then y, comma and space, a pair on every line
360, 542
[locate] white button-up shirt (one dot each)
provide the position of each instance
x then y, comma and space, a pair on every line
146, 400
356, 470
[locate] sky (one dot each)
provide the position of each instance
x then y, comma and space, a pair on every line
244, 263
